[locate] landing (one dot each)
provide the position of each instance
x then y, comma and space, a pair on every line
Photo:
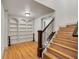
22, 51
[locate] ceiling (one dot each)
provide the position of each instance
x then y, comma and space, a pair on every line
18, 8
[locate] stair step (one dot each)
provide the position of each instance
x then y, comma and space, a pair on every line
48, 55
63, 35
71, 38
63, 32
68, 40
69, 44
66, 29
63, 51
59, 54
72, 49
74, 25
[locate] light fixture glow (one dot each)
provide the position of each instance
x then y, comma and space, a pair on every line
27, 13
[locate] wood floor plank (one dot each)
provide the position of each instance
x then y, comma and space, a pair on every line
26, 50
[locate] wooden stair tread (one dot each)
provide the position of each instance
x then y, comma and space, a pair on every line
66, 29
64, 50
68, 40
61, 36
48, 55
61, 53
71, 25
64, 37
63, 33
66, 43
65, 47
63, 40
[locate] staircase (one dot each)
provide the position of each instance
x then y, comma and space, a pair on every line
63, 46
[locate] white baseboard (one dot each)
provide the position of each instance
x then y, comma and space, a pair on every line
20, 41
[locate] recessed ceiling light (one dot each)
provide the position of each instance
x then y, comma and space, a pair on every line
27, 14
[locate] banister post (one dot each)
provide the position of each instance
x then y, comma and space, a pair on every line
9, 43
33, 37
39, 49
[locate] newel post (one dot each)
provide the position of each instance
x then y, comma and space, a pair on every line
39, 50
33, 37
9, 43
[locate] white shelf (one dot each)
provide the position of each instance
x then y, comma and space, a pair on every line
13, 35
25, 37
13, 23
20, 29
13, 31
13, 28
22, 23
25, 34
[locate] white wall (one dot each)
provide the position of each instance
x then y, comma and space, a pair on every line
66, 11
4, 32
37, 26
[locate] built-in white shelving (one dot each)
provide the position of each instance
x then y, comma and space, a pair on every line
13, 28
20, 29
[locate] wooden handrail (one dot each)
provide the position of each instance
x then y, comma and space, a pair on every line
48, 24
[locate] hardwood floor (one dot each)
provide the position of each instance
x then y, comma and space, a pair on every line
26, 50
63, 46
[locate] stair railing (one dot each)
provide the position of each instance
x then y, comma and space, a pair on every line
44, 36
